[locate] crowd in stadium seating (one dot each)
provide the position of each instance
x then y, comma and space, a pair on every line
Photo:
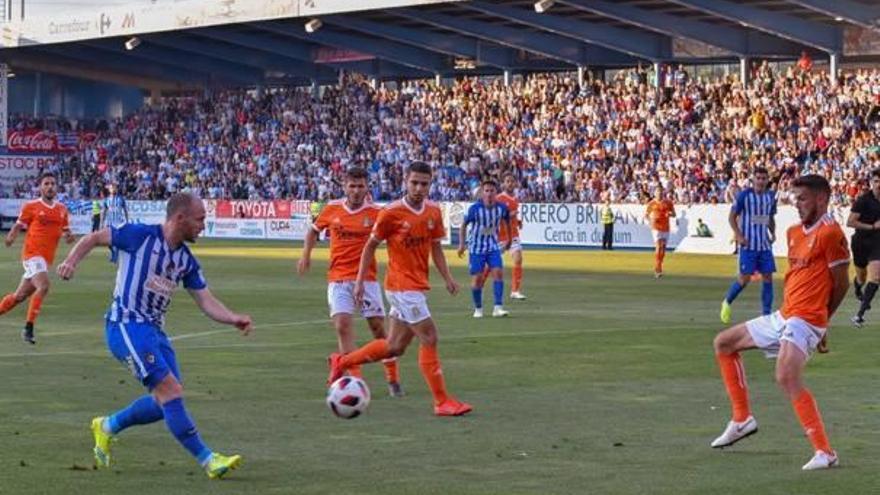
620, 139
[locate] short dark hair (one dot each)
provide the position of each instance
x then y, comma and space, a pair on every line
419, 168
46, 175
508, 174
875, 173
355, 173
489, 182
813, 182
760, 170
179, 202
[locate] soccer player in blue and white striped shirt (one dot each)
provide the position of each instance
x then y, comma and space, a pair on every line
114, 213
485, 217
752, 219
154, 260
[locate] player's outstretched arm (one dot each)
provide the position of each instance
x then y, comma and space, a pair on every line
840, 277
440, 262
305, 261
81, 250
218, 312
13, 233
462, 235
367, 257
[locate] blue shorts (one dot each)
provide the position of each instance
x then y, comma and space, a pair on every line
144, 349
491, 259
751, 261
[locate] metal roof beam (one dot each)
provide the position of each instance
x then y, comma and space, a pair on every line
449, 44
857, 13
288, 48
547, 45
739, 41
636, 43
396, 52
816, 34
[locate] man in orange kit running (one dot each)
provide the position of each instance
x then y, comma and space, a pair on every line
658, 212
413, 229
46, 220
815, 285
508, 198
350, 222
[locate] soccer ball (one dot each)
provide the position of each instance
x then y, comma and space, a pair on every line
348, 397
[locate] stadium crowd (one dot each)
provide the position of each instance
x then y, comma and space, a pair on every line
619, 139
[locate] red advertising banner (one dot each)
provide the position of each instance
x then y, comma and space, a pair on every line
253, 209
37, 141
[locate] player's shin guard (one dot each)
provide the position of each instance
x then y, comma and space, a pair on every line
808, 413
766, 297
392, 375
477, 296
867, 297
373, 351
516, 277
144, 410
429, 363
734, 376
7, 303
498, 292
184, 430
34, 308
733, 291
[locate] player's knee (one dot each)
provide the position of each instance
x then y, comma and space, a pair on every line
723, 344
42, 291
788, 381
396, 349
167, 390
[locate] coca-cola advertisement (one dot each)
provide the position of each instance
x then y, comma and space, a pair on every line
253, 209
39, 141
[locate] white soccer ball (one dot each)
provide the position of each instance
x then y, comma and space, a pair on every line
348, 397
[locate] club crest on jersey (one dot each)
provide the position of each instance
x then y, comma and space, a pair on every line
367, 222
430, 224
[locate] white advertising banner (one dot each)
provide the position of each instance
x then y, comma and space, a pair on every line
234, 228
293, 229
170, 15
15, 168
149, 212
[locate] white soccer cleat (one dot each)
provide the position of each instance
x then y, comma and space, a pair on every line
822, 460
478, 313
735, 432
857, 321
499, 312
519, 296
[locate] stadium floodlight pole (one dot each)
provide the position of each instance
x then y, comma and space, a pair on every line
313, 25
542, 6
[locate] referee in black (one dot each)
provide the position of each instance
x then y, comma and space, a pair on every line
864, 217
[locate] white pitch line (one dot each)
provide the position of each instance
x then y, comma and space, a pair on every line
256, 327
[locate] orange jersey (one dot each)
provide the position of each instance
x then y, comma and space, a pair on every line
349, 232
512, 205
410, 235
45, 224
659, 213
811, 254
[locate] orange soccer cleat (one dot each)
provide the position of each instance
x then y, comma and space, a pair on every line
336, 370
452, 407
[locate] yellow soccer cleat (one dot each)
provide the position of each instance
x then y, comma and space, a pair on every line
103, 441
726, 311
219, 465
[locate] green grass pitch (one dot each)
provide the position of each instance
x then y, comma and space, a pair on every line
602, 382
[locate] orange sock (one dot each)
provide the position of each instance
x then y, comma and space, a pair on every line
734, 377
808, 412
391, 373
7, 303
34, 308
659, 254
433, 373
374, 350
355, 371
516, 279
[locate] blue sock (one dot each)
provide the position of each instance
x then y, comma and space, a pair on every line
184, 430
767, 297
498, 292
142, 411
735, 289
477, 294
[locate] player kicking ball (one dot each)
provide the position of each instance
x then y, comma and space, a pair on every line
413, 230
484, 251
815, 284
153, 261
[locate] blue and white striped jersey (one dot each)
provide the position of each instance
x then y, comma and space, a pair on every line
484, 223
755, 212
148, 274
114, 211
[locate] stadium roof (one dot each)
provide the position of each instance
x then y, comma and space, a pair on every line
468, 37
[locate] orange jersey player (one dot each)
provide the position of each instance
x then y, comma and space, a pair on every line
815, 285
508, 198
350, 222
658, 212
413, 229
46, 220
